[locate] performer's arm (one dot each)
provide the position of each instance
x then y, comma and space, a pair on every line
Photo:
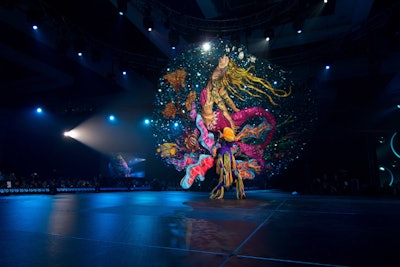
219, 71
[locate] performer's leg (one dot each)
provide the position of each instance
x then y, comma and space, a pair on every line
240, 188
218, 191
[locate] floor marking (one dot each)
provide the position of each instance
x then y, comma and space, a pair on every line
291, 261
234, 253
252, 234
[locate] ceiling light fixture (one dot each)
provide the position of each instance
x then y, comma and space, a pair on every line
34, 16
268, 34
122, 7
173, 38
148, 23
298, 24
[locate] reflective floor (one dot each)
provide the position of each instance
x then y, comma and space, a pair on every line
147, 228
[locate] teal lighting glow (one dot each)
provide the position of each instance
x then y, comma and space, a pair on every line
111, 118
392, 145
383, 168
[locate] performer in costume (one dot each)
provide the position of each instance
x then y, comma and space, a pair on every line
226, 168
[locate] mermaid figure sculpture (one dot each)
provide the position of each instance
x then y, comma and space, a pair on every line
228, 77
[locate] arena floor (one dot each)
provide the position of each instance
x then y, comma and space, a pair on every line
167, 228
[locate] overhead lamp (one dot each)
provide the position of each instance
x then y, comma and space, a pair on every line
148, 23
122, 6
298, 24
79, 46
34, 16
124, 65
173, 38
327, 64
268, 34
111, 118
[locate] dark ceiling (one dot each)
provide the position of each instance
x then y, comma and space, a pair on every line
360, 37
